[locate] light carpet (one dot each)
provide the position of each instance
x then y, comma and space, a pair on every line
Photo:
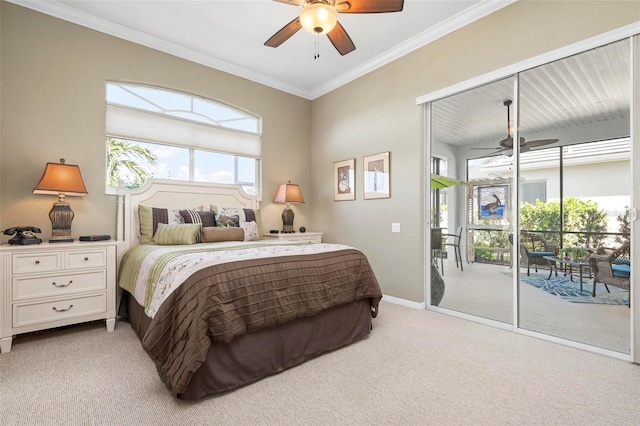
416, 368
568, 289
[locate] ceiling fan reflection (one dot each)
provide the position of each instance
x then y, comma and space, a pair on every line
506, 144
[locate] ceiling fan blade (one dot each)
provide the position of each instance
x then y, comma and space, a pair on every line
506, 143
341, 40
540, 142
283, 35
292, 2
369, 6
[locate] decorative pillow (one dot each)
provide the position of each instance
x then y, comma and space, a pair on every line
250, 231
245, 215
227, 221
216, 234
206, 218
176, 234
623, 260
150, 217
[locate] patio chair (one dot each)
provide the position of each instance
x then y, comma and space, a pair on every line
612, 266
533, 248
453, 240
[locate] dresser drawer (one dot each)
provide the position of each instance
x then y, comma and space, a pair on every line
34, 263
85, 259
24, 315
310, 239
29, 288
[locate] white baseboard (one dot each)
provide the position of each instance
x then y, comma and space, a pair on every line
403, 302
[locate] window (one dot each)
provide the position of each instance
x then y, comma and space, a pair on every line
530, 192
159, 133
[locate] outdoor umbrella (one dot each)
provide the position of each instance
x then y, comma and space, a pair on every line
439, 182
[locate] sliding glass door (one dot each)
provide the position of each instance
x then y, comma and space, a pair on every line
575, 193
540, 168
471, 206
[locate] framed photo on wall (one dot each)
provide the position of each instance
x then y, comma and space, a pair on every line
344, 183
377, 176
493, 201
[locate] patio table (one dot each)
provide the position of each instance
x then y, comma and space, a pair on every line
568, 265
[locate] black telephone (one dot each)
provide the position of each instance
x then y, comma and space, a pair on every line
24, 235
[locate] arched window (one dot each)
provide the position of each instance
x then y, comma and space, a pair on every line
161, 133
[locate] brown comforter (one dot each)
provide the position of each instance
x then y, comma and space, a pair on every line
223, 301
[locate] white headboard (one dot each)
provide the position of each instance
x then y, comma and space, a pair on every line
172, 194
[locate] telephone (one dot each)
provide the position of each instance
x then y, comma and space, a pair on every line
24, 235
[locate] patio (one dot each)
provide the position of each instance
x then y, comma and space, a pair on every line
486, 291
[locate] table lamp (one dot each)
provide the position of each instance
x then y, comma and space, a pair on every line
288, 193
61, 179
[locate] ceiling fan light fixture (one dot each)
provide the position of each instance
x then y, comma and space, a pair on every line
318, 18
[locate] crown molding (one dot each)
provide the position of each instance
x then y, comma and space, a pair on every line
482, 9
544, 58
67, 13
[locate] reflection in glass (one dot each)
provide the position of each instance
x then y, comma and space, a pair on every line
575, 196
474, 215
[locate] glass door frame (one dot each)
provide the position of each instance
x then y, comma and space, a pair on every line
630, 32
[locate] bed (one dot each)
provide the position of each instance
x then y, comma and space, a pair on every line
220, 314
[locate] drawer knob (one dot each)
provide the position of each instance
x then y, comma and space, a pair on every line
37, 262
62, 285
86, 258
62, 310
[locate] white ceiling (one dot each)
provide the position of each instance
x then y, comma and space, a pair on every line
581, 98
229, 35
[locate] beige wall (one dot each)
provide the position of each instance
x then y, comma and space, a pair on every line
53, 75
53, 93
378, 113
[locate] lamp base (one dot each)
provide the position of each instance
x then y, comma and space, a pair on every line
61, 217
287, 221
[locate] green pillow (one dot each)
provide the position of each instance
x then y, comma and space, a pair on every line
150, 217
176, 234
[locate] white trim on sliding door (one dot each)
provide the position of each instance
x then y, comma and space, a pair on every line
572, 49
515, 209
628, 31
634, 296
426, 171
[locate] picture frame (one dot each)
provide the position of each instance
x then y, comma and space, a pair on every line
493, 202
377, 176
344, 183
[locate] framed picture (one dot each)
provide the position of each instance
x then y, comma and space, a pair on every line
493, 201
344, 183
377, 176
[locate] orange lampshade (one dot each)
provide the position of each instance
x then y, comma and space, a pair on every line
61, 178
288, 193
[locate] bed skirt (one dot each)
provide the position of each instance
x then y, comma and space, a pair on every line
258, 354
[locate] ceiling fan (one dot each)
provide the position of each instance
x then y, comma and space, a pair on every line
506, 144
320, 17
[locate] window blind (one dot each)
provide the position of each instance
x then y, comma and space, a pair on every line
128, 123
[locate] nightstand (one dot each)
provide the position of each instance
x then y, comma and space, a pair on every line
51, 285
300, 237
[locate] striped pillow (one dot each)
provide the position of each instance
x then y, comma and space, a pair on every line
176, 234
150, 217
206, 218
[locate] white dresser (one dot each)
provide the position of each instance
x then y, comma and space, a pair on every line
301, 237
52, 285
